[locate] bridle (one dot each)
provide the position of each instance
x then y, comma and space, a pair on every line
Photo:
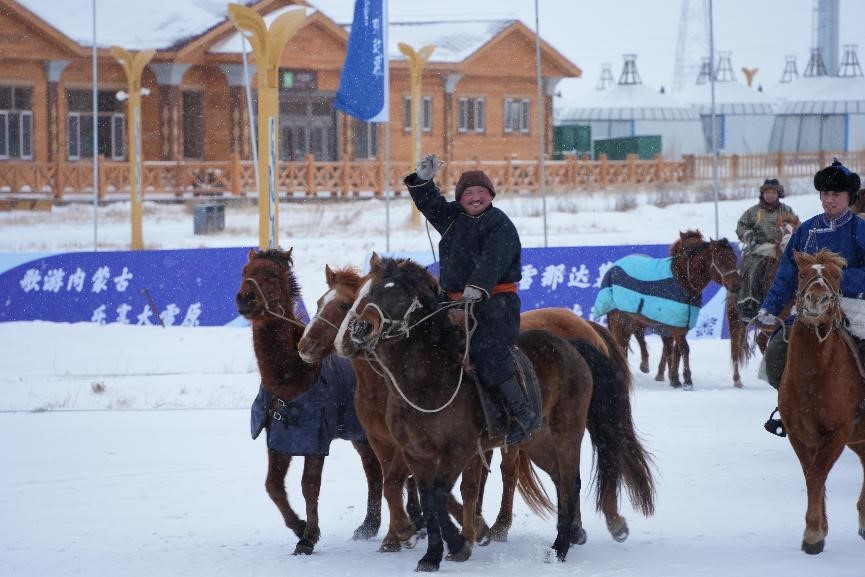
687, 253
267, 308
834, 299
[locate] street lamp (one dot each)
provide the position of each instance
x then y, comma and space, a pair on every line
416, 62
267, 46
133, 66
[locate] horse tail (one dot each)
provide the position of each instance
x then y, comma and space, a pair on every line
621, 457
740, 351
615, 355
530, 487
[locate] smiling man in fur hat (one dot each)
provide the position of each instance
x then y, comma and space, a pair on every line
835, 229
479, 255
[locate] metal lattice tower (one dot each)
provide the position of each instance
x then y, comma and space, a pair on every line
815, 65
705, 74
791, 72
606, 79
724, 71
849, 67
629, 70
692, 43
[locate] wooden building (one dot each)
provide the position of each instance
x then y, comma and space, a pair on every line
479, 93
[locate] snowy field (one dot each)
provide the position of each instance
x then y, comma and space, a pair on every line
126, 450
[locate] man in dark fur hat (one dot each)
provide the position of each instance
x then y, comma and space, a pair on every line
756, 231
479, 254
835, 229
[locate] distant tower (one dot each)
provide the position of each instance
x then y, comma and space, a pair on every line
815, 65
606, 79
629, 70
705, 74
692, 43
826, 22
849, 66
724, 72
791, 73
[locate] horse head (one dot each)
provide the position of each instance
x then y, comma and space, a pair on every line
333, 307
818, 294
723, 262
268, 286
687, 239
785, 225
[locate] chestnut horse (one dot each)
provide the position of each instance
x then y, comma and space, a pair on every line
371, 397
398, 321
740, 349
822, 394
267, 296
694, 265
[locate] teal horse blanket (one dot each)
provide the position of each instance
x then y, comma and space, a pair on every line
645, 286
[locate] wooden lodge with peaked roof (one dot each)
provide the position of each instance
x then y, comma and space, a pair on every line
479, 95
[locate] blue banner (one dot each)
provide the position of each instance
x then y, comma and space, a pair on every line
363, 85
191, 288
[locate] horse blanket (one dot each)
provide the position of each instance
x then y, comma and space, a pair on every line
645, 286
307, 424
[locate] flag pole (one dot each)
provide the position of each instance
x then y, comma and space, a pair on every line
542, 129
95, 141
387, 184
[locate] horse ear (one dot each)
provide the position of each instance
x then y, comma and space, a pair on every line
801, 258
329, 276
374, 261
252, 254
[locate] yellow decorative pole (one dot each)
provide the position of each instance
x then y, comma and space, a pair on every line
267, 47
416, 63
133, 66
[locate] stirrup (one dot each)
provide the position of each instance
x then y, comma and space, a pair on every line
775, 426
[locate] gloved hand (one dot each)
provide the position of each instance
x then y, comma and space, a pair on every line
428, 166
747, 238
766, 318
472, 294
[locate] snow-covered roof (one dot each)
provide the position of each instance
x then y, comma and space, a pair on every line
824, 95
626, 102
454, 41
731, 97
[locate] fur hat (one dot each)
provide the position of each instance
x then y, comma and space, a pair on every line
772, 184
838, 177
473, 178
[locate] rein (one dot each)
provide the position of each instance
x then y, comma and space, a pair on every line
267, 305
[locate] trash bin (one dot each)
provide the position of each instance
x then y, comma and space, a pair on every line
208, 218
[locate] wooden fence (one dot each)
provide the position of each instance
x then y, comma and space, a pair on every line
350, 178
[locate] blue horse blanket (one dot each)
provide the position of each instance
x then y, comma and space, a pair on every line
645, 286
307, 424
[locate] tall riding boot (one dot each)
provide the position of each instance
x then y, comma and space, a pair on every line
524, 420
775, 358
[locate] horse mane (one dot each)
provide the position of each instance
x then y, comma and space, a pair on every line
686, 240
826, 258
283, 259
348, 277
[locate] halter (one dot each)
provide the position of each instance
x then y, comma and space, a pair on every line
267, 304
714, 265
834, 297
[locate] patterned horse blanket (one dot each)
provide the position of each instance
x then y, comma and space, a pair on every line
306, 425
645, 286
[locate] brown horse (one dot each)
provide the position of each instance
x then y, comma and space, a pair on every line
740, 349
371, 397
400, 323
267, 295
695, 264
822, 395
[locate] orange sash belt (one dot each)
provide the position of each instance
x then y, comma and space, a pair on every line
504, 287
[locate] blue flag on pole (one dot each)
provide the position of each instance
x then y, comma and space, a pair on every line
363, 84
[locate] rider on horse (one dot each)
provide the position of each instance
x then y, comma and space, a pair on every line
756, 231
480, 264
836, 229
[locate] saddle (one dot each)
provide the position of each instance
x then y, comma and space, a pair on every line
495, 413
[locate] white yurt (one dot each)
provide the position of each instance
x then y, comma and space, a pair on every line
743, 115
630, 108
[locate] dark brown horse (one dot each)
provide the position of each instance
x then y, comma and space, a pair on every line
740, 349
267, 296
433, 411
822, 395
371, 398
695, 263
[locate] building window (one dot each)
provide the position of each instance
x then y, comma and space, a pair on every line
110, 124
365, 135
516, 115
472, 114
193, 125
426, 114
16, 122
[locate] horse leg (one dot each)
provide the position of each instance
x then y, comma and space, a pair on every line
470, 490
640, 335
685, 352
859, 449
372, 468
673, 363
412, 505
401, 530
737, 342
502, 526
483, 530
310, 484
665, 359
274, 484
435, 546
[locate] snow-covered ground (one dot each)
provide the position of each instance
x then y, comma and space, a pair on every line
126, 450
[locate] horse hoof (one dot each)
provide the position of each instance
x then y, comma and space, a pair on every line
303, 547
813, 548
424, 566
462, 555
499, 533
390, 545
644, 368
578, 536
737, 384
659, 378
365, 532
485, 540
688, 387
862, 533
621, 534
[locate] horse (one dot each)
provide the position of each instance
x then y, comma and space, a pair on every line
267, 295
397, 319
821, 397
695, 263
371, 396
740, 349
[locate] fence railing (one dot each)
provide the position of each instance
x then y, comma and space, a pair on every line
349, 178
